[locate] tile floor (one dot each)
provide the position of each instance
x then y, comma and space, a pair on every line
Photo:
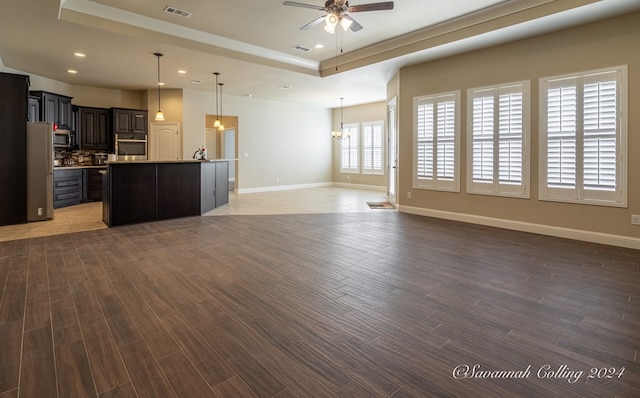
88, 216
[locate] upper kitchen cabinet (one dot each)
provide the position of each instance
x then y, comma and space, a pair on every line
94, 131
129, 120
54, 108
34, 109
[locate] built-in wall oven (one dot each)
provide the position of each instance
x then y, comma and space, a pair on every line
131, 146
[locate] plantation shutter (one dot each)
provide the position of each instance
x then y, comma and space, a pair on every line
372, 143
600, 116
561, 133
584, 138
446, 134
435, 141
511, 135
482, 132
497, 139
425, 138
349, 150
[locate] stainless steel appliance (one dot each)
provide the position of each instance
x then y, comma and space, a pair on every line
40, 171
132, 146
62, 138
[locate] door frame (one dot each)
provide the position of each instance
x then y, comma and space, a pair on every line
392, 151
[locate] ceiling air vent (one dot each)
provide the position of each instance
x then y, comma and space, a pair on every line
176, 11
302, 48
196, 81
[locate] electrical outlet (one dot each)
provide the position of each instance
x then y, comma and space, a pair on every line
409, 195
277, 179
40, 211
635, 219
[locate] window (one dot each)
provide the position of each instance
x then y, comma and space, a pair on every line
349, 149
436, 138
498, 140
372, 143
583, 123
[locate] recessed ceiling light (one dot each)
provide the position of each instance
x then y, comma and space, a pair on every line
80, 55
72, 71
319, 46
160, 84
285, 87
182, 71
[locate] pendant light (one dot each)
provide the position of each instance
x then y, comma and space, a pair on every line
159, 114
216, 124
340, 134
221, 127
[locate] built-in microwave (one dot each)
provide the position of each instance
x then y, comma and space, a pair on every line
62, 138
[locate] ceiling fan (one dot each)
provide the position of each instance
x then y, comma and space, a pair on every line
337, 13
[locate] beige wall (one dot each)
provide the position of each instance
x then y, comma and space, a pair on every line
279, 144
603, 44
357, 114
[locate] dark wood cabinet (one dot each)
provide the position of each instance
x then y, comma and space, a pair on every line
34, 109
67, 187
130, 195
176, 185
13, 148
129, 120
54, 108
92, 184
93, 130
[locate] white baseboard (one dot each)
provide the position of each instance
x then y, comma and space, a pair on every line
587, 236
285, 187
360, 186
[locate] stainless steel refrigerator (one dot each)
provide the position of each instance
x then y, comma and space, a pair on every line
39, 171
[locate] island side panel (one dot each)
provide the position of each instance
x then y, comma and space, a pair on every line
222, 183
208, 187
132, 193
178, 190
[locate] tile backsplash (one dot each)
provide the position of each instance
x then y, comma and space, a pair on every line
78, 157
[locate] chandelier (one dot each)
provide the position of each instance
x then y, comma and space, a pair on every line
340, 134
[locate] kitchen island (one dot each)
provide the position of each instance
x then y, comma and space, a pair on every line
143, 191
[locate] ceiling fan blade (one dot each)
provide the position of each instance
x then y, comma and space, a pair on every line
386, 5
303, 5
313, 23
355, 26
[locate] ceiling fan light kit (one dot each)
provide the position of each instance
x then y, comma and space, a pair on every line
337, 13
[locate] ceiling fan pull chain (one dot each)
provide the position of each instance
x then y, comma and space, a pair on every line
337, 51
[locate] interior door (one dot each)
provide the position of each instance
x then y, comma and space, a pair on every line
164, 141
392, 165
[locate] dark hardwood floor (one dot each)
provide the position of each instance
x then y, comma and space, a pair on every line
371, 304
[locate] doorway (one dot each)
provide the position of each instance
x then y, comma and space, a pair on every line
229, 152
224, 144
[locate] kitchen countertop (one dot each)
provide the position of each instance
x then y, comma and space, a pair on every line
104, 166
168, 161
